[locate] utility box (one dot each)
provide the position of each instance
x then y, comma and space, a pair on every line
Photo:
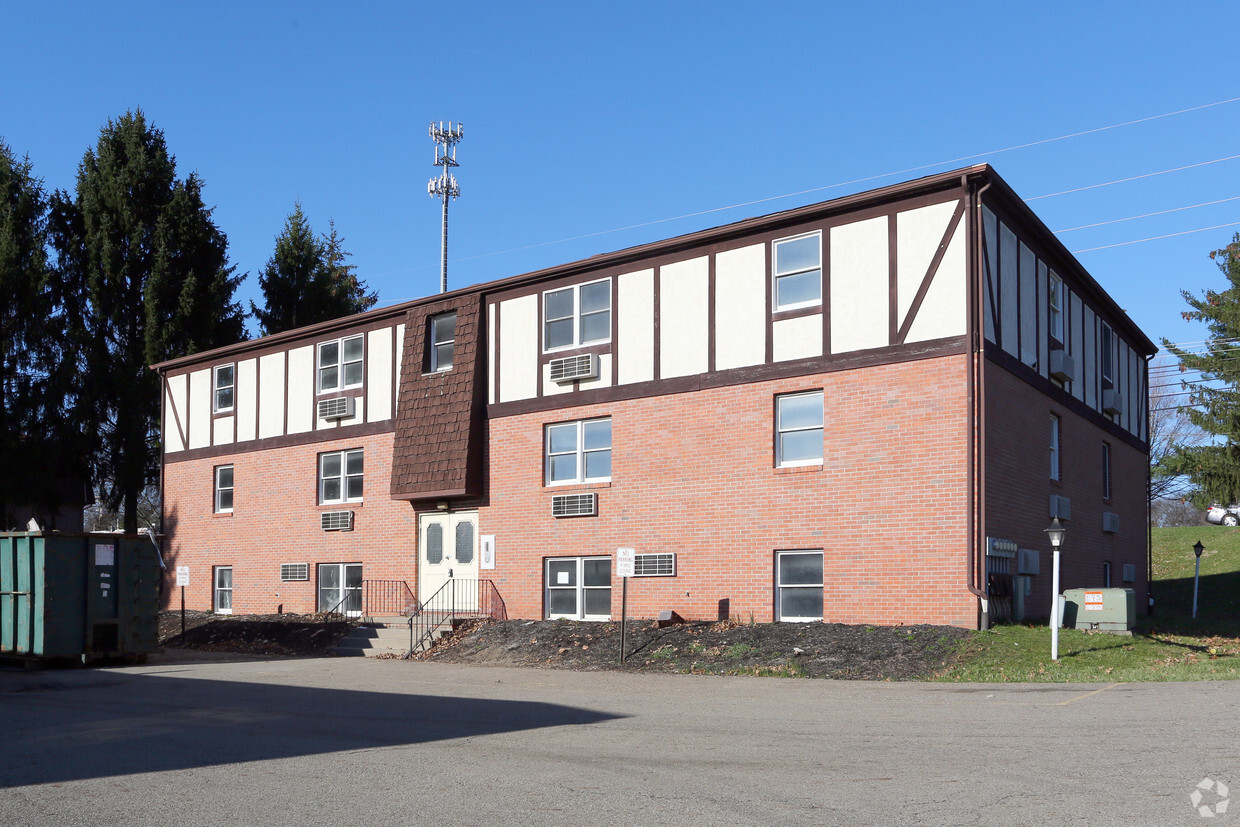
1106, 610
78, 596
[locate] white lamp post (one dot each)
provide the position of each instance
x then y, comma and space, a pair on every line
1197, 549
1055, 532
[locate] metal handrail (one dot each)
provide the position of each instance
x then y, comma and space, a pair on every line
382, 598
458, 598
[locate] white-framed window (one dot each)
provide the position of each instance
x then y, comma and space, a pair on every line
1054, 301
577, 315
1106, 352
340, 363
340, 476
1055, 467
798, 586
443, 341
225, 384
659, 564
578, 588
223, 489
798, 271
1106, 470
798, 429
222, 579
578, 451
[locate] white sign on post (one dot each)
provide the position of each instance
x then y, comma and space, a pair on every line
182, 575
626, 562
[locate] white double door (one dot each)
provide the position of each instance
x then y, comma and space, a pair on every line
448, 550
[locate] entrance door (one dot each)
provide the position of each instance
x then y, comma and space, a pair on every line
449, 550
340, 588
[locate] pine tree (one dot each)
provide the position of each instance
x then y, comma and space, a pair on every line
306, 280
1213, 467
148, 269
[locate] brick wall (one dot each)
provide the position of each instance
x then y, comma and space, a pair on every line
692, 473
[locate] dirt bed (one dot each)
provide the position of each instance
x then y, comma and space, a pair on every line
818, 650
283, 634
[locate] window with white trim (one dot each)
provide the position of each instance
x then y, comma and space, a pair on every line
340, 364
443, 341
225, 384
798, 429
222, 588
1055, 424
798, 271
340, 477
223, 489
798, 586
578, 451
1054, 301
577, 315
578, 588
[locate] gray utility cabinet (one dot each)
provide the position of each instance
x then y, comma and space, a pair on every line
1106, 610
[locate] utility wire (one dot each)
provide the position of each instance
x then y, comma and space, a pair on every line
1155, 237
1134, 178
1147, 215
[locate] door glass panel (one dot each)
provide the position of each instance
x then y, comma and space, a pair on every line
329, 577
223, 578
464, 542
598, 601
597, 571
800, 569
353, 589
434, 544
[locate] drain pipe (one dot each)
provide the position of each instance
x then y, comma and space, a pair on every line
1149, 528
975, 419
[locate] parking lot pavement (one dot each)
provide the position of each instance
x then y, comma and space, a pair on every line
352, 741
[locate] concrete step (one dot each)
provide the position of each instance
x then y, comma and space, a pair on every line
369, 640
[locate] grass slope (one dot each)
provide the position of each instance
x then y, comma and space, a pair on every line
1167, 646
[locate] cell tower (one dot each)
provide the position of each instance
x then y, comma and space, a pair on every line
445, 187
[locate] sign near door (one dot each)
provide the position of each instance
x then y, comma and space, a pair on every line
486, 557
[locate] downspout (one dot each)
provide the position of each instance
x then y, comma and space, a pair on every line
1149, 528
975, 420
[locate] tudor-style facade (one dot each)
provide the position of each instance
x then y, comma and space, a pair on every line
865, 410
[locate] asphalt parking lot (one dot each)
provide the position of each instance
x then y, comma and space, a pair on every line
354, 742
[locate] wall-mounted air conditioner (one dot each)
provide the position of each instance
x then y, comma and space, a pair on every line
1028, 561
337, 520
1110, 522
1063, 366
1112, 402
570, 368
1061, 507
574, 505
339, 408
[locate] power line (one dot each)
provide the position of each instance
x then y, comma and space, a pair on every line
1156, 237
1134, 178
1147, 215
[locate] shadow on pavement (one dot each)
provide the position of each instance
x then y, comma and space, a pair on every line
63, 730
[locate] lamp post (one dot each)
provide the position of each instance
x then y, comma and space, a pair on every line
1197, 549
1055, 532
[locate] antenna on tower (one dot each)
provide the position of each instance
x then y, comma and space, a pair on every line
444, 187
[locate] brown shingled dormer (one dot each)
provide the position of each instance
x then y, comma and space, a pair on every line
440, 426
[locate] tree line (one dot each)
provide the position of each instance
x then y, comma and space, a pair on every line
127, 270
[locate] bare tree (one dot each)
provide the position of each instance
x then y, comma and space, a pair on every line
1170, 430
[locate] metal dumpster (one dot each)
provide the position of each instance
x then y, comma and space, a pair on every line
78, 596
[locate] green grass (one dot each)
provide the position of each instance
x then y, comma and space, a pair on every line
1168, 646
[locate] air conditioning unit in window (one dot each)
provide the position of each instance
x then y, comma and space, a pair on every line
570, 368
1110, 522
1063, 367
1061, 507
574, 505
339, 408
1112, 402
337, 520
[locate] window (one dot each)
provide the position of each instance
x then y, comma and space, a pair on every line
225, 384
1106, 574
798, 271
577, 315
340, 364
443, 341
223, 489
798, 579
1054, 301
223, 590
579, 451
340, 477
579, 588
662, 564
1054, 447
1106, 352
798, 426
1106, 470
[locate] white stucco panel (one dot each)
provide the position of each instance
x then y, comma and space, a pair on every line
859, 285
518, 342
550, 388
1028, 306
1009, 289
222, 430
918, 235
270, 395
604, 374
1043, 322
741, 307
379, 375
684, 324
200, 408
944, 309
990, 292
300, 389
247, 400
798, 338
635, 327
174, 413
490, 354
400, 357
1086, 355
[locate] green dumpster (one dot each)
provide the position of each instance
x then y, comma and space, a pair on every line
78, 596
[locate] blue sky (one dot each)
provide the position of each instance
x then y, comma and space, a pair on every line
584, 119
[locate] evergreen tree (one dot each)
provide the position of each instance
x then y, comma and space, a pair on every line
138, 247
1213, 466
306, 280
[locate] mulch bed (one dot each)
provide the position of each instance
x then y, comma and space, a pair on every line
283, 634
